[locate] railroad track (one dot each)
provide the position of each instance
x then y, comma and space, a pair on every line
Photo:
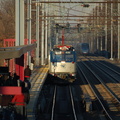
101, 90
61, 104
99, 98
112, 76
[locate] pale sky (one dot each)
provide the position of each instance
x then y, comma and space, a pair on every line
74, 9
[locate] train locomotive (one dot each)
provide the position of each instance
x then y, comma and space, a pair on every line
62, 62
82, 49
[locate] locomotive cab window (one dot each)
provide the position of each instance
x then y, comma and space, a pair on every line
56, 57
69, 58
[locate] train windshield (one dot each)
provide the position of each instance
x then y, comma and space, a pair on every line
63, 57
57, 58
85, 46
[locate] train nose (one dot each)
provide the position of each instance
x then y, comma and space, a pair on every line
63, 62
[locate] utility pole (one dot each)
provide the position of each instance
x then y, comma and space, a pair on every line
19, 36
46, 34
118, 33
49, 26
106, 28
42, 35
111, 31
97, 22
19, 9
29, 28
37, 33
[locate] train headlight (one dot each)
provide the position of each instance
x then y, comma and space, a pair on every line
72, 74
62, 62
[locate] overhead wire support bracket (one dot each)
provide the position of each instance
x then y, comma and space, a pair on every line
73, 16
73, 2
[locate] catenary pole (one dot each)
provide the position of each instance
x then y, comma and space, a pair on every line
29, 28
19, 22
37, 34
111, 31
42, 36
118, 33
46, 34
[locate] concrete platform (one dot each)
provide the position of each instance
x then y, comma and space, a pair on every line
37, 80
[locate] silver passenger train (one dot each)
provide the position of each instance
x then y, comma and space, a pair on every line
82, 48
62, 62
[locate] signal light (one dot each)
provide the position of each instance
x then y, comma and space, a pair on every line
78, 25
68, 27
57, 27
85, 5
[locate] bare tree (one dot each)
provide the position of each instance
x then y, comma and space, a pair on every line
7, 19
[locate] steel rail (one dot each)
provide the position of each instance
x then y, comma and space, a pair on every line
96, 94
75, 116
113, 94
53, 105
103, 83
109, 68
